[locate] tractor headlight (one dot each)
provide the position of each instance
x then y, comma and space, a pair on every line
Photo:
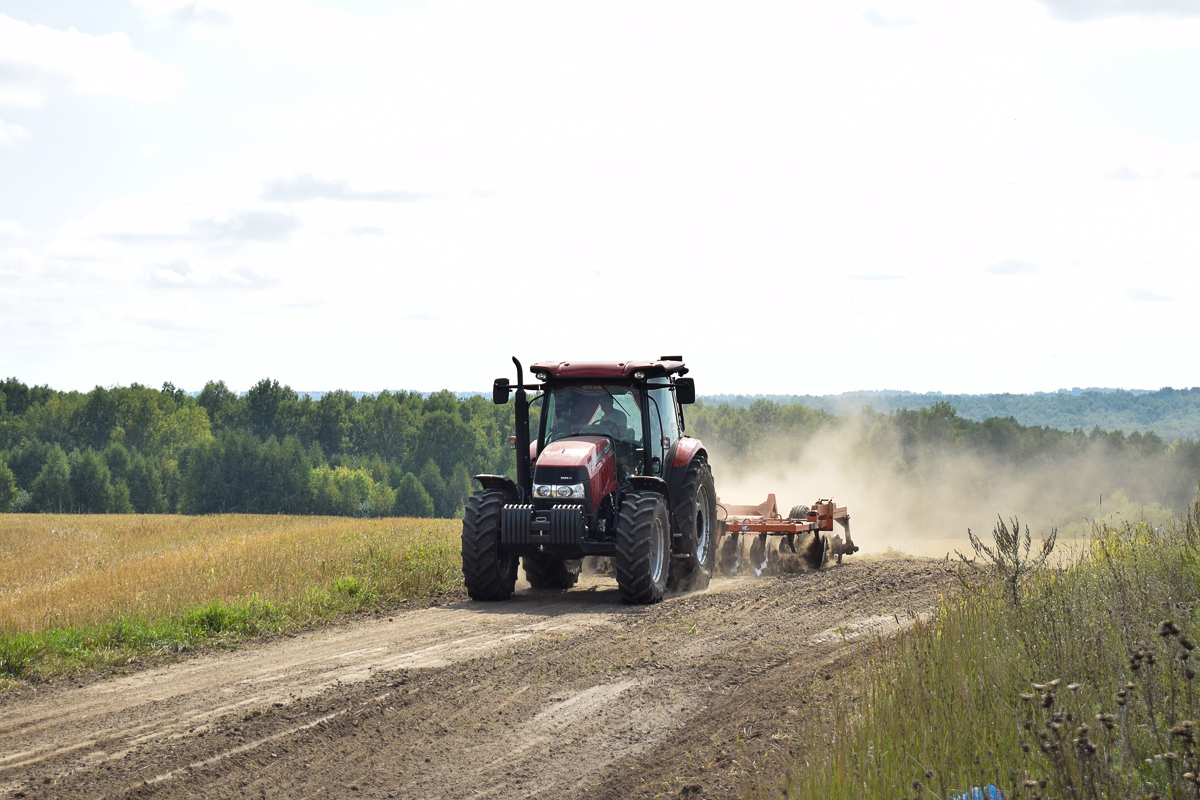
568, 491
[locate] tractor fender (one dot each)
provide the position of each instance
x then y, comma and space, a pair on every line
687, 449
649, 483
501, 483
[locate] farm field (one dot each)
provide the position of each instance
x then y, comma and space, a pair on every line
547, 695
85, 591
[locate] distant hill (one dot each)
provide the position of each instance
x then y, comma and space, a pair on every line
1169, 413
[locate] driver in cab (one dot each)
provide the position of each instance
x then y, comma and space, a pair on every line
576, 418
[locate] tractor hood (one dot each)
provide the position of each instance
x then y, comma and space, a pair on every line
576, 451
590, 460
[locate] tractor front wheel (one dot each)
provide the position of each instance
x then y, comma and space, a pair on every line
643, 548
488, 573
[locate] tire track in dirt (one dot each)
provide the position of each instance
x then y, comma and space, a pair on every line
546, 695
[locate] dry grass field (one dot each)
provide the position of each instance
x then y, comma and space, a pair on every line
92, 590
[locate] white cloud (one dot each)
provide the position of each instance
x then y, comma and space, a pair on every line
178, 273
11, 229
1128, 174
238, 228
1011, 267
16, 262
37, 62
1147, 296
10, 132
306, 187
877, 277
1090, 10
877, 19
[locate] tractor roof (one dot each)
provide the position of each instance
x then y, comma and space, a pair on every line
668, 365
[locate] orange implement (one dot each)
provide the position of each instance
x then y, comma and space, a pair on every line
764, 520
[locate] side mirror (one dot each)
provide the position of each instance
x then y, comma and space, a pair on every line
685, 391
500, 391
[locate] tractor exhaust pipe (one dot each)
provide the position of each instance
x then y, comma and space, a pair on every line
524, 480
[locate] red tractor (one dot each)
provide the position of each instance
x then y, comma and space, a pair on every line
608, 471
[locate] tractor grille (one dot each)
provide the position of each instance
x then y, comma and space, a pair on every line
560, 527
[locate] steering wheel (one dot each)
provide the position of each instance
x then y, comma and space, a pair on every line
603, 427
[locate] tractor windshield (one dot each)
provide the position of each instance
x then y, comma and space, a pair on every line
583, 409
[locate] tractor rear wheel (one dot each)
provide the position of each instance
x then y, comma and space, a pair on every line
488, 573
696, 516
643, 548
543, 572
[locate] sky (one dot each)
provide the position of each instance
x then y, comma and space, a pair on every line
798, 197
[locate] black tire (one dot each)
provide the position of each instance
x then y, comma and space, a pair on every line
696, 516
643, 548
544, 572
729, 559
798, 512
488, 573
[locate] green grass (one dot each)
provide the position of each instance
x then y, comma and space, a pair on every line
82, 593
1031, 696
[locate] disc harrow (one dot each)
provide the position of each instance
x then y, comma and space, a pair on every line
759, 539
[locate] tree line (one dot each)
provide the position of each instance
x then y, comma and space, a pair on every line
1168, 413
144, 450
272, 450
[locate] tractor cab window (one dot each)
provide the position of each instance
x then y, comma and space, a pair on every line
581, 410
664, 426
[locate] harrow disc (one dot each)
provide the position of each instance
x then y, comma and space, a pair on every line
729, 559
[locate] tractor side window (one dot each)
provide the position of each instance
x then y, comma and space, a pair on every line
536, 403
665, 401
664, 424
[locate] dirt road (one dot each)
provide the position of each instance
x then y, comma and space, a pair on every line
548, 695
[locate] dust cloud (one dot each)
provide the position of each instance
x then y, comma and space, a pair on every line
923, 503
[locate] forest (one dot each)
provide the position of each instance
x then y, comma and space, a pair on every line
273, 450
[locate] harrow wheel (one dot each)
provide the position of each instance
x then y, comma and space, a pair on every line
798, 512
